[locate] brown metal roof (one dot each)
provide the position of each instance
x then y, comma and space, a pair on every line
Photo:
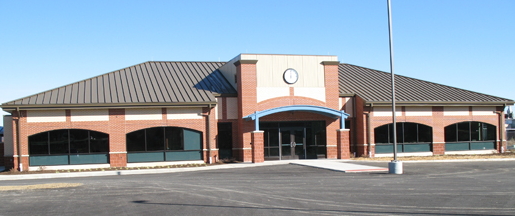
375, 87
146, 83
197, 83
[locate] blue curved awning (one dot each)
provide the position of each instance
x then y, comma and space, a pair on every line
307, 108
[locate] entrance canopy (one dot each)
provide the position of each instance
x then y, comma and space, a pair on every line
307, 108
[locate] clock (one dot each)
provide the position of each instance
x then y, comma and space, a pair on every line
290, 76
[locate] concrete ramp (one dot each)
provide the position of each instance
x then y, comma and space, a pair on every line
338, 166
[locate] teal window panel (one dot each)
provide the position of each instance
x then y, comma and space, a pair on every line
384, 149
192, 140
145, 157
184, 155
482, 145
425, 147
48, 160
89, 159
457, 146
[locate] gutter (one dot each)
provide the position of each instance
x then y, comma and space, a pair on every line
11, 108
440, 103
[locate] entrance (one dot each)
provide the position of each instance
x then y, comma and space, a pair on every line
294, 140
292, 143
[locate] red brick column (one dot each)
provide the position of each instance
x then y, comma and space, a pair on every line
247, 104
332, 94
438, 131
343, 143
212, 126
332, 138
258, 148
21, 119
117, 145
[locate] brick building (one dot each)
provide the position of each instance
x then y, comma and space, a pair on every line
255, 107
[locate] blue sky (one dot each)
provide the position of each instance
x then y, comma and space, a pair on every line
468, 44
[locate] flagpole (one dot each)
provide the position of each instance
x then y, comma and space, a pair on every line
395, 166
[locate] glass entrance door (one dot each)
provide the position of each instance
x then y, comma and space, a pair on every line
293, 143
294, 140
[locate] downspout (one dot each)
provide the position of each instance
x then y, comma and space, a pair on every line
368, 132
208, 134
501, 129
355, 126
20, 164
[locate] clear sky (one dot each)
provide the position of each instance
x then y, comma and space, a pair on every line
468, 44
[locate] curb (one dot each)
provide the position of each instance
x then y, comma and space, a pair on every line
446, 161
129, 172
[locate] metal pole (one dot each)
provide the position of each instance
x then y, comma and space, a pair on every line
395, 166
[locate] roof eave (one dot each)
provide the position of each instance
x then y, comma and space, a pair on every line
440, 103
10, 108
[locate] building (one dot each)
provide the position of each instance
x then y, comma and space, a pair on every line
255, 107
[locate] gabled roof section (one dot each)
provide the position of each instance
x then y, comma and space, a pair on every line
172, 83
375, 88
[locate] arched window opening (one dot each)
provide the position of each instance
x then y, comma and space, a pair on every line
411, 137
470, 135
164, 144
68, 146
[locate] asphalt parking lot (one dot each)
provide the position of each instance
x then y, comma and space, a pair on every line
461, 188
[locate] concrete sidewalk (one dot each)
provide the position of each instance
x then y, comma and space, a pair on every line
330, 164
339, 165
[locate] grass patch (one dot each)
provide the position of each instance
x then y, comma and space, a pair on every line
39, 186
441, 157
42, 169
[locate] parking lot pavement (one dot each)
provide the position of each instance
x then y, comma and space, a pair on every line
474, 188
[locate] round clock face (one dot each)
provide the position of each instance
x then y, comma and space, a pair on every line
291, 76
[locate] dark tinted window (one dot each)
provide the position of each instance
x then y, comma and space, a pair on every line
407, 132
79, 141
155, 139
38, 143
410, 133
470, 131
58, 142
464, 131
136, 141
99, 142
451, 134
173, 139
382, 134
163, 138
68, 141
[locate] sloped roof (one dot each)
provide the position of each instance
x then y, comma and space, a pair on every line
197, 83
375, 87
149, 82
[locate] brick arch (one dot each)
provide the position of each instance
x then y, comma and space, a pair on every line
416, 122
288, 100
133, 129
177, 126
38, 130
457, 122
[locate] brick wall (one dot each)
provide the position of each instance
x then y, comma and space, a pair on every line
117, 128
437, 121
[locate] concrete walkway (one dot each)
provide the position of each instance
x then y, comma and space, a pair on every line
335, 165
339, 165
